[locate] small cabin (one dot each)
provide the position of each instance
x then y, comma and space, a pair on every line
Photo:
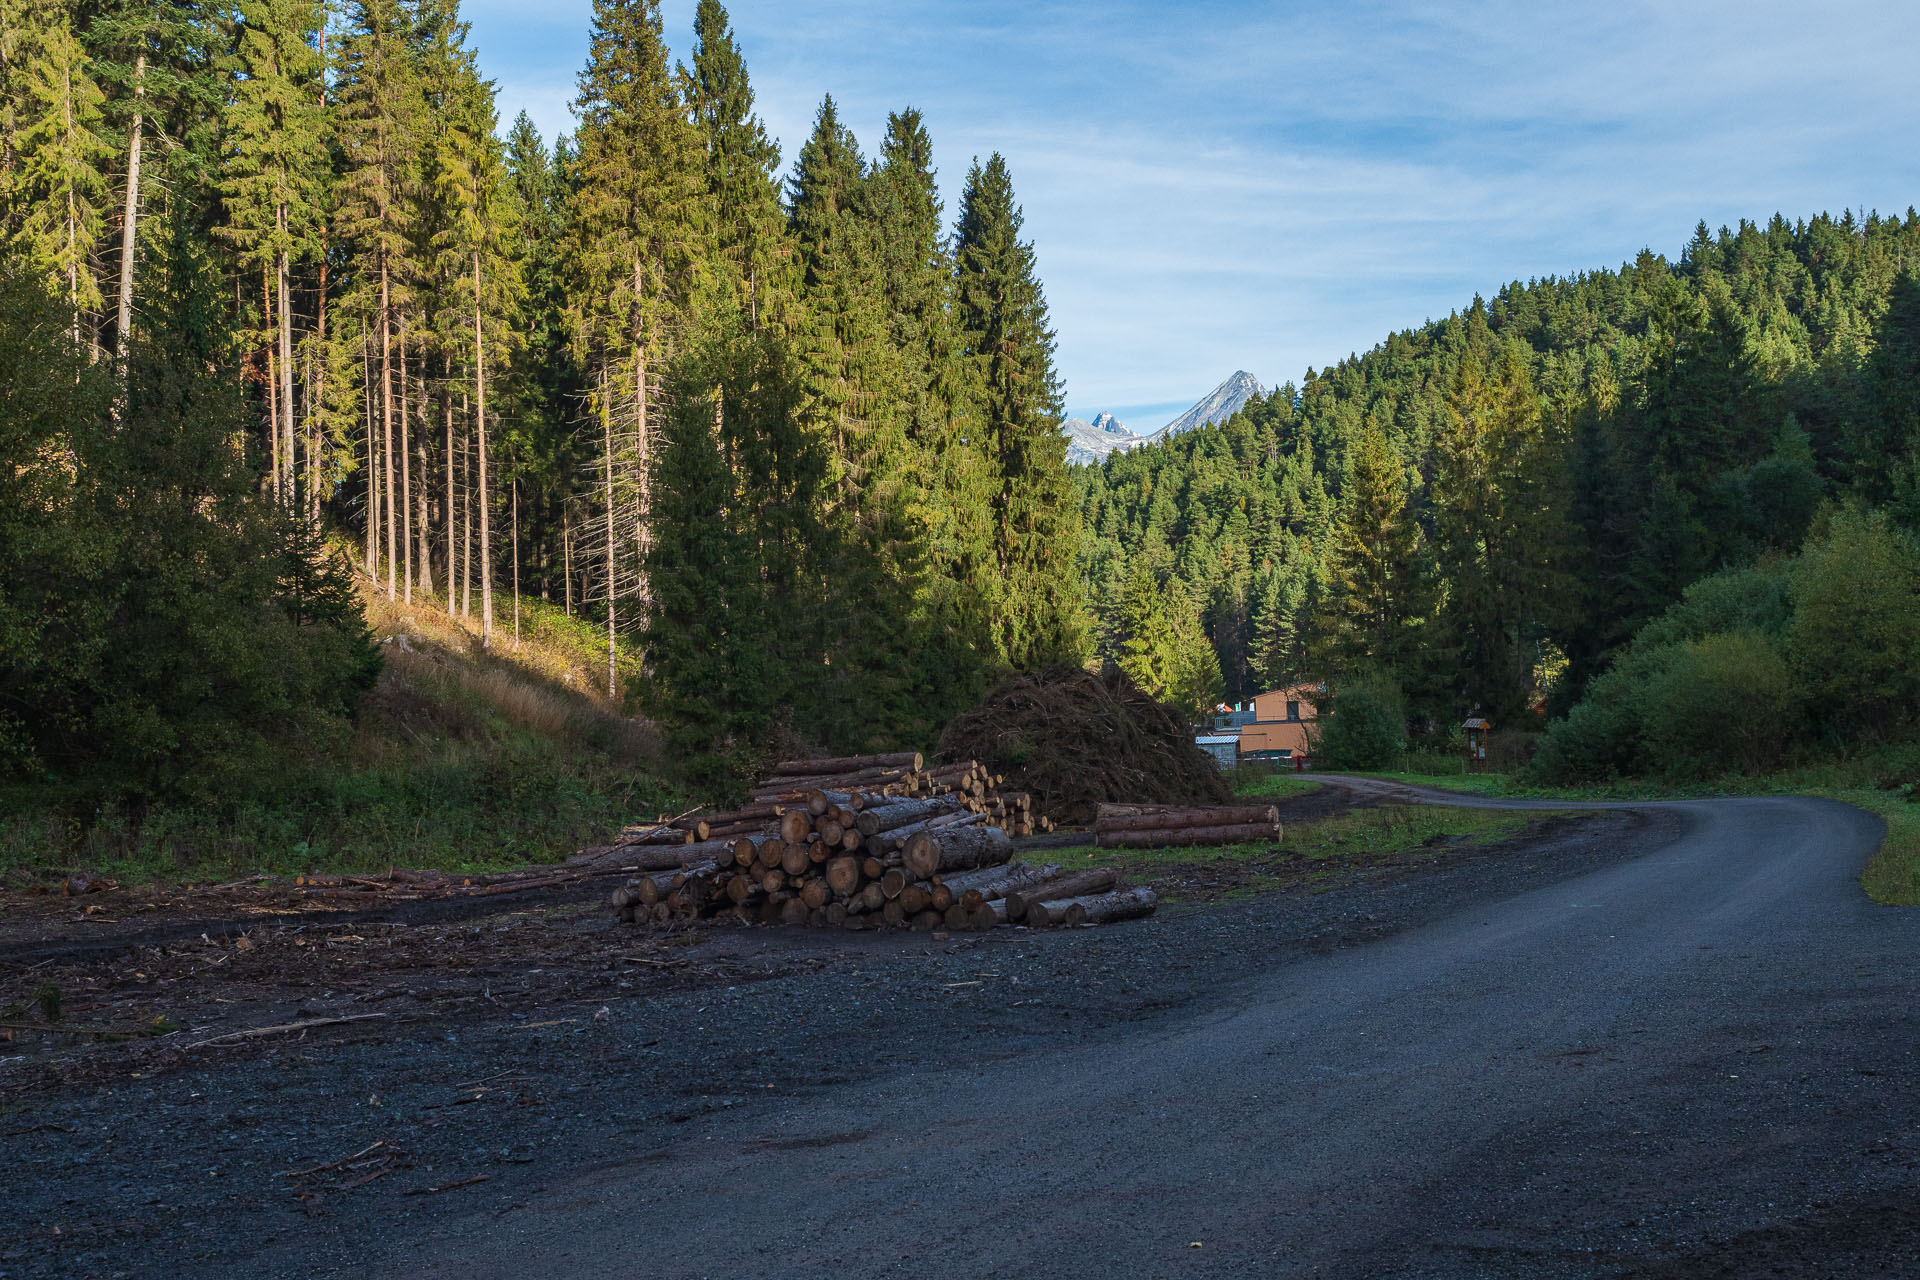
1277, 725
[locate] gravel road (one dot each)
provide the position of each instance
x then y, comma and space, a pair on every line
1672, 1040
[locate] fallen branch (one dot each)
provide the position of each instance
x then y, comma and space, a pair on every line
448, 1186
287, 1026
322, 1168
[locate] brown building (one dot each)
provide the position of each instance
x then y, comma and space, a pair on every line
1277, 725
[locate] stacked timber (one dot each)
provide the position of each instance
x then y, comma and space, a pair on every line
855, 783
923, 864
1147, 826
879, 867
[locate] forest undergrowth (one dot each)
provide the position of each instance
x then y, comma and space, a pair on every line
462, 757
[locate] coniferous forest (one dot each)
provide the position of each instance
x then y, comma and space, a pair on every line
791, 437
290, 314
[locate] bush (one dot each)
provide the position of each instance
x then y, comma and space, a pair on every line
1855, 635
1365, 726
1725, 702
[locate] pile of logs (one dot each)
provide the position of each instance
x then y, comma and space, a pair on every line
864, 780
864, 860
1151, 826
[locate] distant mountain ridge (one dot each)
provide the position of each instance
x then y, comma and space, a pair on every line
1092, 441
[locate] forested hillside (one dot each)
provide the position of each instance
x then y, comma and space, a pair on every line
793, 440
1489, 506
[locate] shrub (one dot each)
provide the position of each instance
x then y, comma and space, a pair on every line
1365, 726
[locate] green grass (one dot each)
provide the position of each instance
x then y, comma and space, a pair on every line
1351, 842
463, 758
1250, 784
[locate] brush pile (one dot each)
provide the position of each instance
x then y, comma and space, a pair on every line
1073, 740
897, 848
1157, 826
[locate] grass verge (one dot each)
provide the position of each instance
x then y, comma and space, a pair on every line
1316, 855
464, 757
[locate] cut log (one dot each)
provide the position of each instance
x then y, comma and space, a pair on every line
1073, 884
829, 832
836, 914
871, 897
940, 897
926, 922
894, 882
794, 911
1156, 838
794, 859
994, 883
795, 826
893, 914
955, 849
914, 899
1213, 816
1103, 908
895, 816
851, 764
815, 893
955, 918
843, 875
984, 917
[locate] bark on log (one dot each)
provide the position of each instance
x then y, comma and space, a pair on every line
1175, 819
1073, 884
1158, 838
895, 816
955, 849
851, 764
659, 857
1104, 908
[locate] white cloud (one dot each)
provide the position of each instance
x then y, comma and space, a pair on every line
1247, 185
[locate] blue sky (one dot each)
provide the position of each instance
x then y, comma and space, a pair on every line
1269, 187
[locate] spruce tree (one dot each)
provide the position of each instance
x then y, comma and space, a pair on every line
1379, 599
475, 268
381, 115
1002, 313
748, 246
273, 174
58, 187
636, 217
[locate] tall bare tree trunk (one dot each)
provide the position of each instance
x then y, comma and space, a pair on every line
606, 426
466, 521
566, 556
480, 418
286, 362
386, 415
642, 445
273, 383
453, 544
123, 319
317, 396
373, 460
406, 476
516, 562
423, 549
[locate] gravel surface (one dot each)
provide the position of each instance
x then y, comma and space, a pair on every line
766, 1074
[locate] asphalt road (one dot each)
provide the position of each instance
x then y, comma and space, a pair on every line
1698, 1061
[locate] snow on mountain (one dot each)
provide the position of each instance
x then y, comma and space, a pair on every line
1218, 405
1093, 441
